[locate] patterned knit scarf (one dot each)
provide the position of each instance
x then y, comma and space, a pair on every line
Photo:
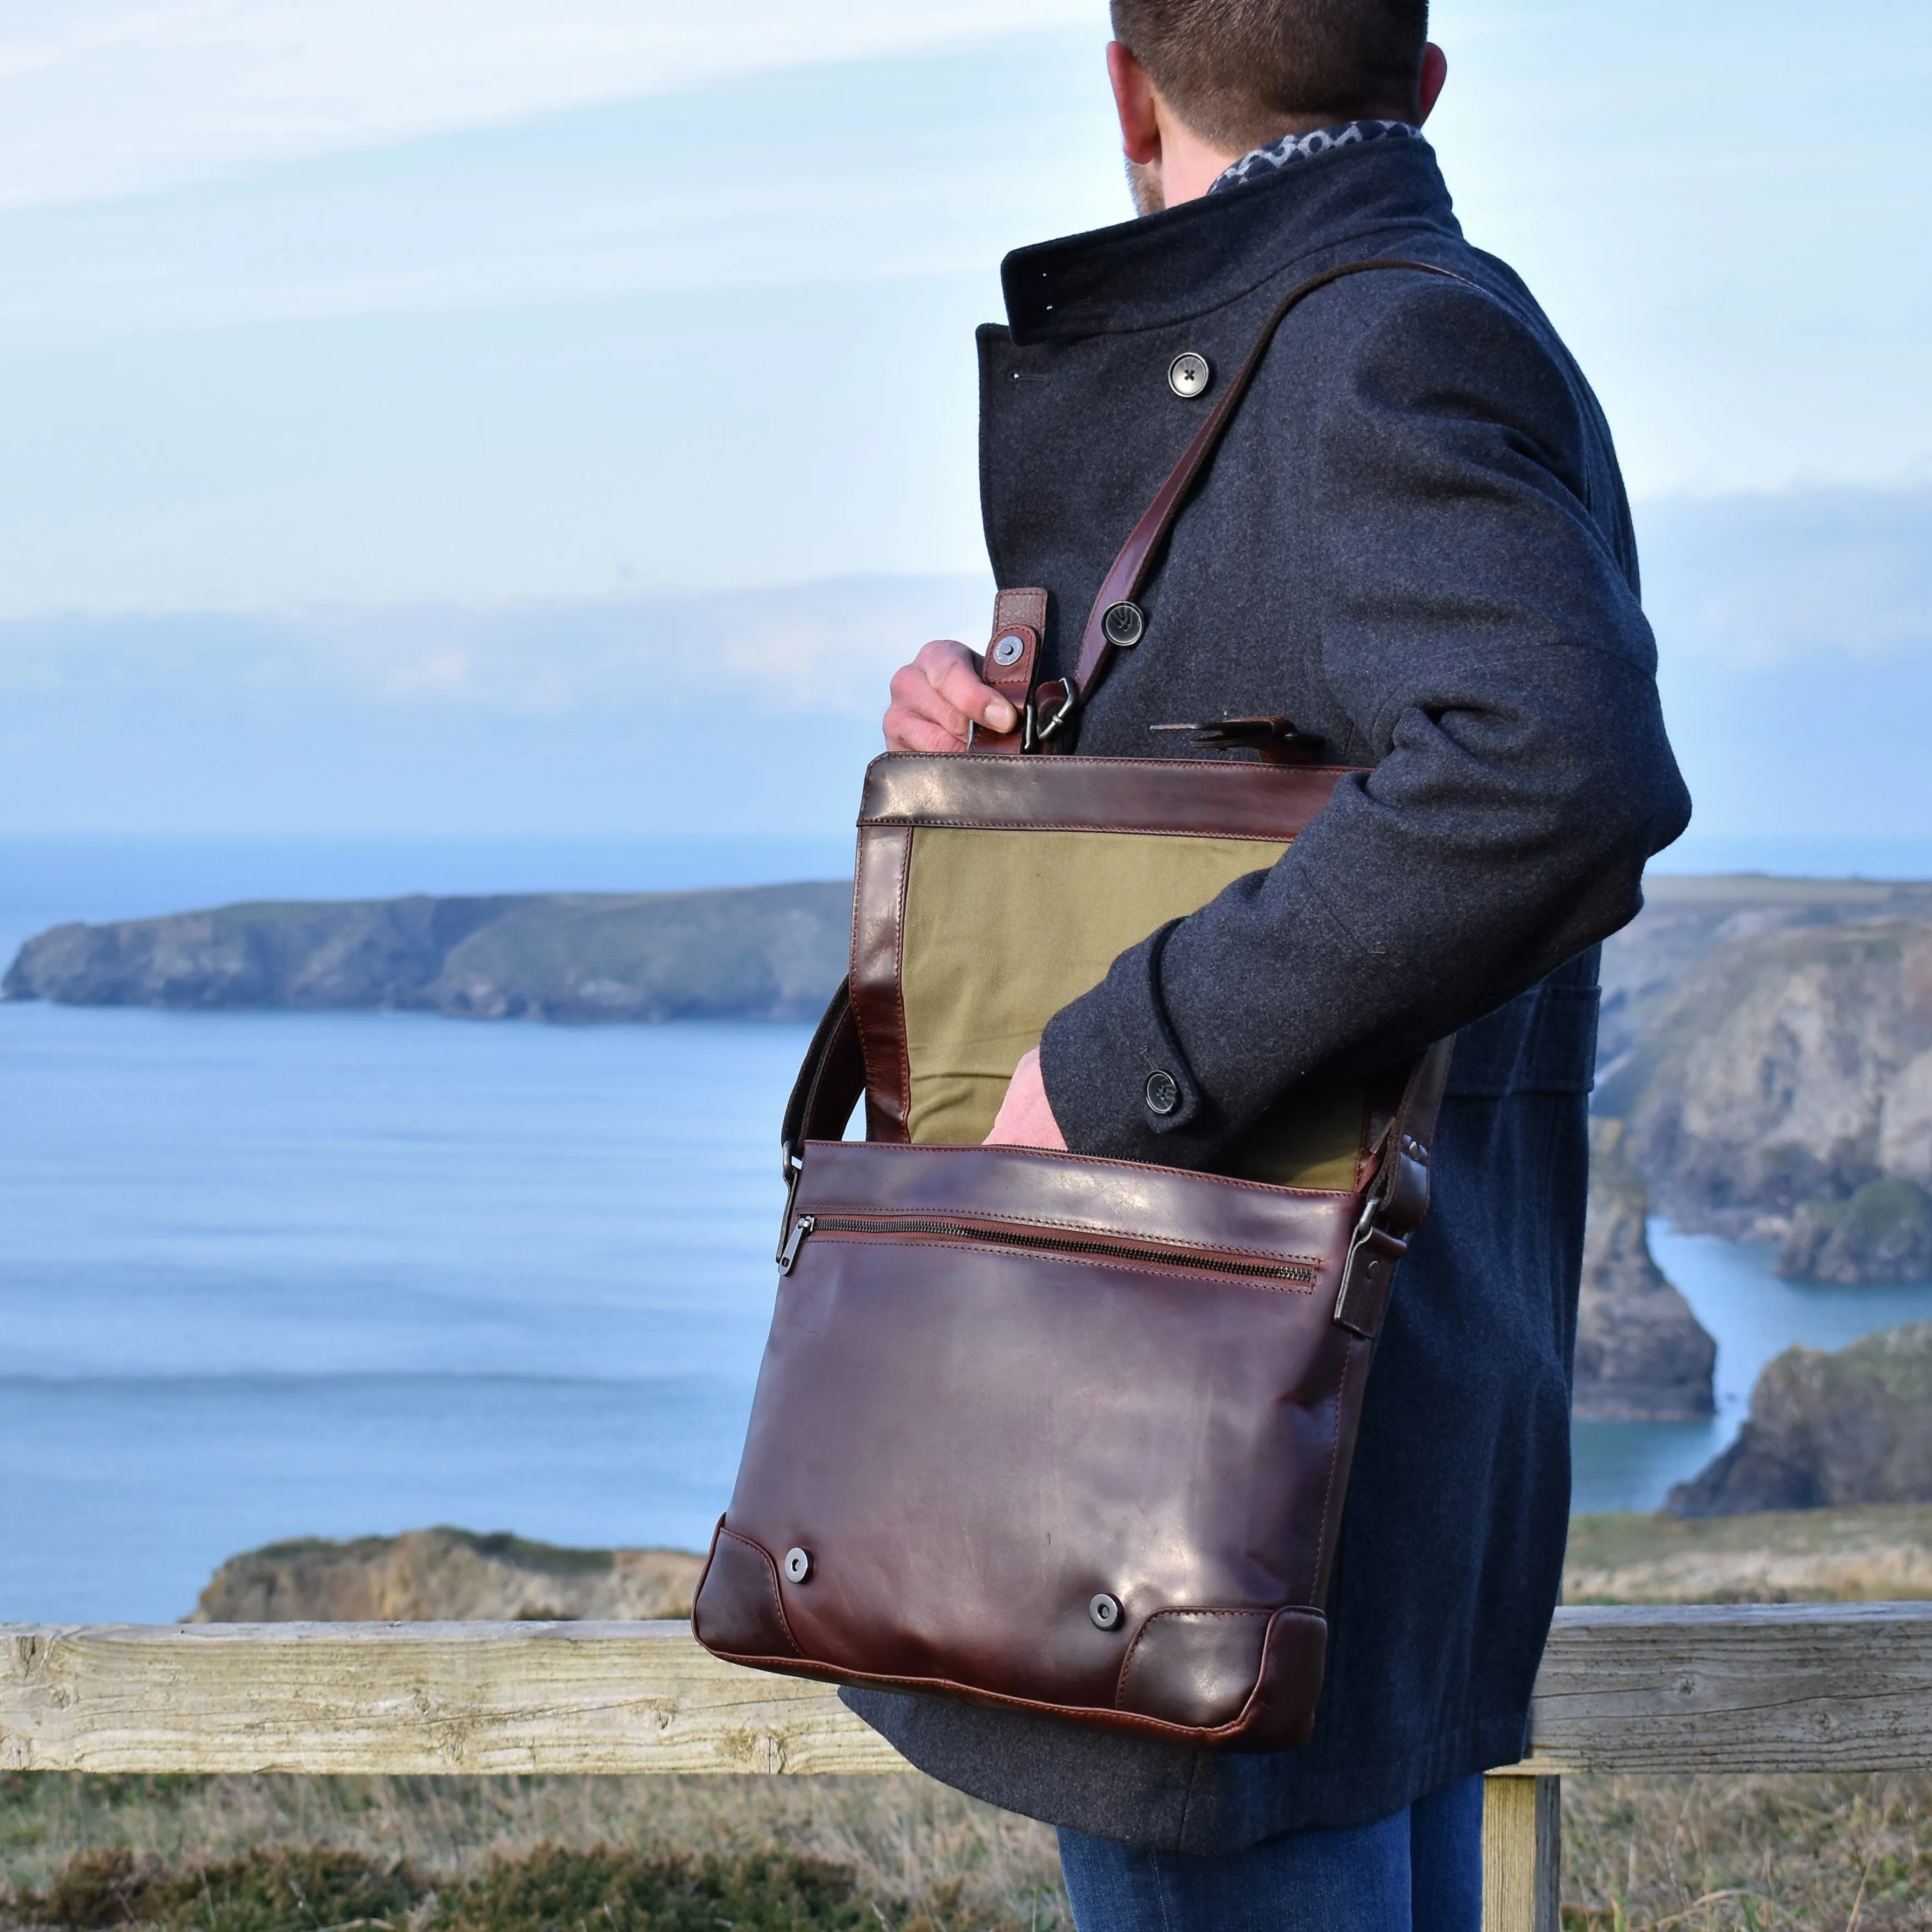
1261, 162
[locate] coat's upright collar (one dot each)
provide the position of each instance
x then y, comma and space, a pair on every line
1162, 268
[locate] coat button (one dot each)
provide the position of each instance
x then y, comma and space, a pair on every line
1188, 374
1106, 1611
798, 1565
1163, 1094
1123, 625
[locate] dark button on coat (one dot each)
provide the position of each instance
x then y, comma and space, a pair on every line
1414, 541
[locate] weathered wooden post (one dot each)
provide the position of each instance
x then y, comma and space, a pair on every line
1522, 1852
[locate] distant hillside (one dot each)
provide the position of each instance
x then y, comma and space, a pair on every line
768, 953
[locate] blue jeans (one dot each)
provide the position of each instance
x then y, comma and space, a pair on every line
1419, 1871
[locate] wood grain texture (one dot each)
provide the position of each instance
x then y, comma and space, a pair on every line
1738, 1688
425, 1698
1523, 1854
1802, 1687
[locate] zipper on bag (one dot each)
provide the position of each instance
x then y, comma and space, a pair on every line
998, 1236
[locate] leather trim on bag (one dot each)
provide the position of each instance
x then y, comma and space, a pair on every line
1175, 1205
1163, 1650
741, 1584
878, 928
1188, 797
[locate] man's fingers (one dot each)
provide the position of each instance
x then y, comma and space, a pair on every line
906, 731
954, 672
963, 687
938, 697
914, 694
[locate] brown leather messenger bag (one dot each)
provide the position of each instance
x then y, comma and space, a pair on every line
1062, 1435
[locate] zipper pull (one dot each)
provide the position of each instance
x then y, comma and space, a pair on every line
801, 1227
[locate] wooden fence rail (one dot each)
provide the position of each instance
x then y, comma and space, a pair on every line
1813, 1687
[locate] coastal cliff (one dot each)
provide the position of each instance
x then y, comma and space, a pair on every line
1641, 1354
1769, 1044
438, 1575
768, 953
1828, 1431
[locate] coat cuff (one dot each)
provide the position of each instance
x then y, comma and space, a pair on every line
1119, 1086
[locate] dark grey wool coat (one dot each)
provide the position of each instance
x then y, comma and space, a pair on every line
1415, 542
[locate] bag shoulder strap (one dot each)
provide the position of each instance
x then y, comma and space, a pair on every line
1115, 621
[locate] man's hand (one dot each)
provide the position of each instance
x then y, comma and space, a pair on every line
1025, 1119
935, 697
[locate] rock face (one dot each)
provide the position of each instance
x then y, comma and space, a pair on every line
1641, 1356
433, 1575
1782, 1067
1829, 1431
764, 953
1782, 1090
1685, 920
1883, 1233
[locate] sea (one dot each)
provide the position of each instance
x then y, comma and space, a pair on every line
271, 1275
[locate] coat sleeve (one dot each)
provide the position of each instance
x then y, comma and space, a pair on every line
1479, 630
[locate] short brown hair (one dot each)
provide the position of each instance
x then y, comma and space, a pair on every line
1238, 71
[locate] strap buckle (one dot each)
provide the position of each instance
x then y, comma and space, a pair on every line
1367, 1276
1051, 707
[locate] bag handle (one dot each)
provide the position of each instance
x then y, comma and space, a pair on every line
831, 1082
1116, 621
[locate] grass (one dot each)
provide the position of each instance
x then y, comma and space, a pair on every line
517, 1855
782, 1855
1797, 1556
1747, 1854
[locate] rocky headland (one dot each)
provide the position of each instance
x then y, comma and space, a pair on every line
1769, 1043
769, 953
1828, 1430
438, 1575
1641, 1354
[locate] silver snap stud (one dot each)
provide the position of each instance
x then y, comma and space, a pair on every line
1123, 625
1188, 374
1163, 1094
1009, 650
798, 1565
1106, 1611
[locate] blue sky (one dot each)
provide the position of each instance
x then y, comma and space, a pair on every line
418, 342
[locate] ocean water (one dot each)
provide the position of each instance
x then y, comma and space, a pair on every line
1752, 1315
267, 1275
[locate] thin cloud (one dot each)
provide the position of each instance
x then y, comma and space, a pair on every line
105, 98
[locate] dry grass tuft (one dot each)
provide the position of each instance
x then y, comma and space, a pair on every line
1747, 1854
654, 1855
925, 1856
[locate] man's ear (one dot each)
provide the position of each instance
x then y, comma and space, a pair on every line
1133, 100
1434, 72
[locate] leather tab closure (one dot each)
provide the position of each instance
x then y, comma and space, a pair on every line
1366, 1279
1013, 654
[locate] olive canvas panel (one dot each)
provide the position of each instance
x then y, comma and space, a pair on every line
1066, 904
